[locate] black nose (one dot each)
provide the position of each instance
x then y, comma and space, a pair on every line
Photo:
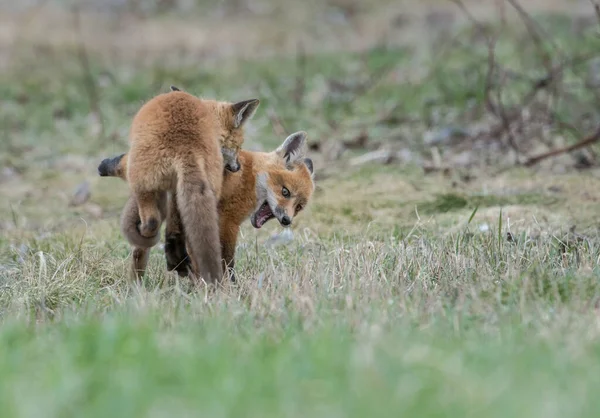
285, 221
233, 168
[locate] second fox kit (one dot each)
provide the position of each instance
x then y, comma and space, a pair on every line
276, 184
176, 141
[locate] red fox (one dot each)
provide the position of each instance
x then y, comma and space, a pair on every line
176, 146
277, 184
230, 145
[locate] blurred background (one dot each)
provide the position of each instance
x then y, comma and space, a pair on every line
447, 263
438, 105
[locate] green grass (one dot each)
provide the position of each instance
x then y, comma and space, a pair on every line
400, 294
127, 365
462, 326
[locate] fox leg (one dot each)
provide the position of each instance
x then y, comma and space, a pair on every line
139, 262
130, 221
197, 205
228, 233
175, 247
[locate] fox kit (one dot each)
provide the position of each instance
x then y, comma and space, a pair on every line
175, 147
277, 184
230, 145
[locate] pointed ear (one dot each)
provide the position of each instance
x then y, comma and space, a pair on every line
244, 110
309, 164
293, 148
173, 88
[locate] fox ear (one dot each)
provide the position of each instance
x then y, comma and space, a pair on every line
244, 110
309, 164
173, 88
293, 148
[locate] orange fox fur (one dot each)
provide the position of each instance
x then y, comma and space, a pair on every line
277, 184
177, 145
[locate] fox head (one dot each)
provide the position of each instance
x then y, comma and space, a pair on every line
232, 117
283, 192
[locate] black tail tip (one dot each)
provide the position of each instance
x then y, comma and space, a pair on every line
103, 167
108, 166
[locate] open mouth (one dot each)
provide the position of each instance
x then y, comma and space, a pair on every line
262, 215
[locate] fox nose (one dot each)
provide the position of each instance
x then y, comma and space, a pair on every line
285, 221
235, 167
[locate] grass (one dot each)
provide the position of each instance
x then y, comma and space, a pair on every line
462, 326
402, 293
102, 367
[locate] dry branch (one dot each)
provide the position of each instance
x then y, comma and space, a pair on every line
593, 138
534, 31
480, 27
596, 8
514, 123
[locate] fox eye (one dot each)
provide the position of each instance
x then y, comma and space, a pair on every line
285, 192
299, 207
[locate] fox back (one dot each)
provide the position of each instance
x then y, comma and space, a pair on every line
176, 127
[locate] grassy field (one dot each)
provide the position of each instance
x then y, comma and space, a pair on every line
466, 292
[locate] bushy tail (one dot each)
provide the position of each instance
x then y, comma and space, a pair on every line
114, 167
198, 209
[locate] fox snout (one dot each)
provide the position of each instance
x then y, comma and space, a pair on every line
233, 166
230, 159
282, 217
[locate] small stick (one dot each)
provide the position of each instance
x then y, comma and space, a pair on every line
595, 137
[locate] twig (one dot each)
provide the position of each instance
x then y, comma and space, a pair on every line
537, 103
501, 11
489, 78
596, 8
300, 88
595, 137
480, 27
89, 81
497, 109
534, 31
506, 123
